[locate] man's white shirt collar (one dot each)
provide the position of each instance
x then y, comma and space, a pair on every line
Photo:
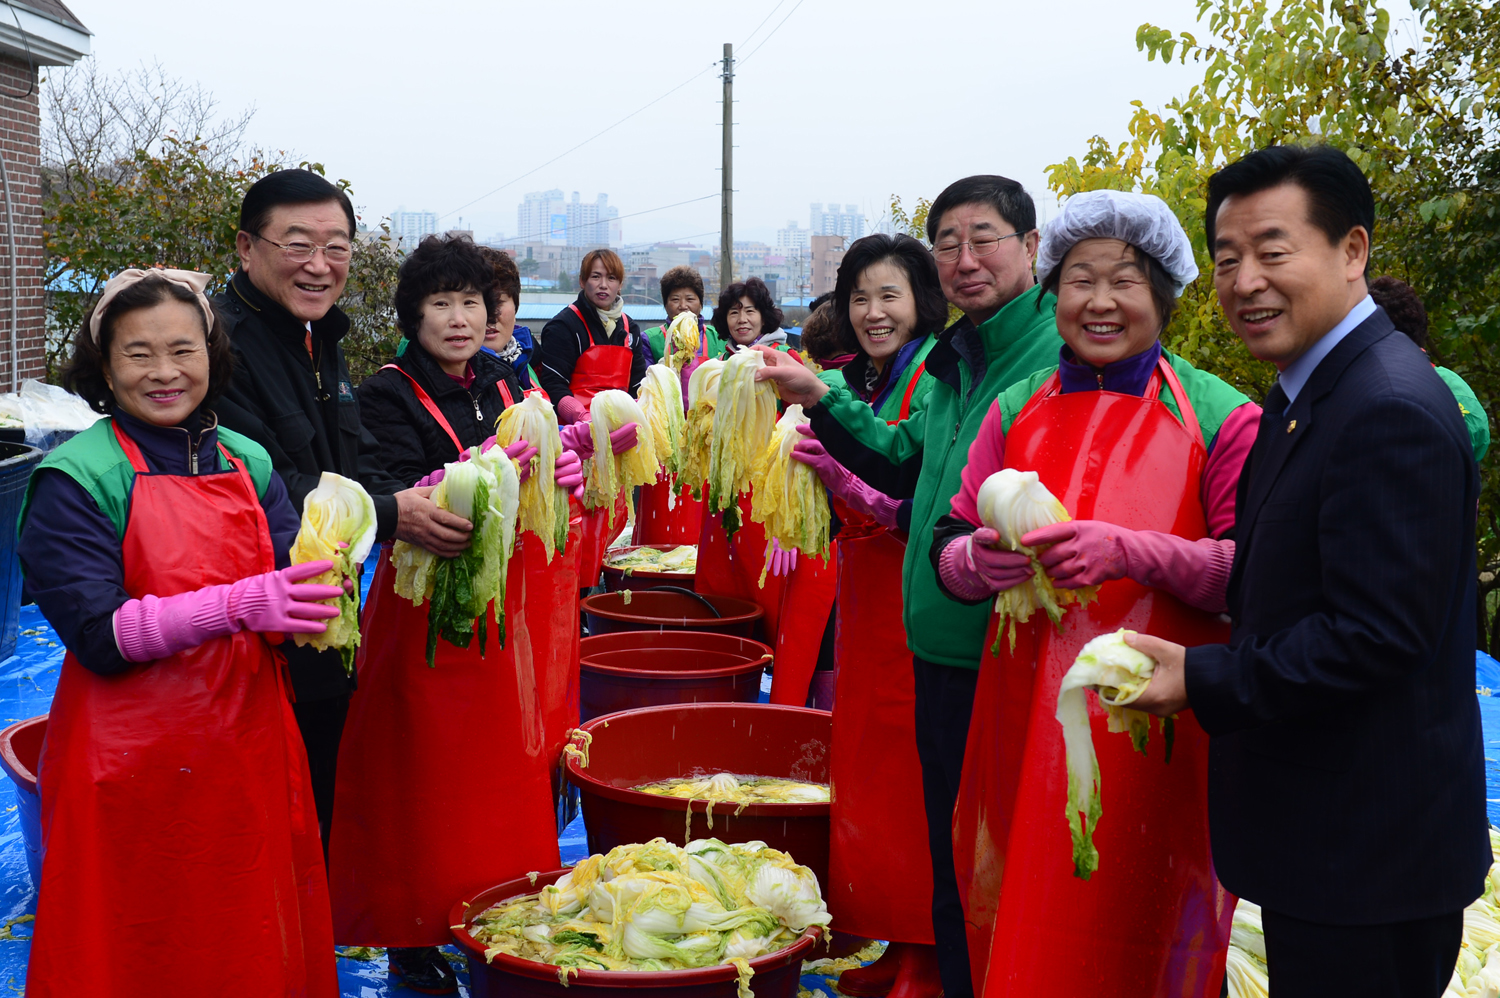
1294, 378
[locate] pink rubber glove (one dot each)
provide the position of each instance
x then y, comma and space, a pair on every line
578, 438
975, 566
570, 410
155, 627
521, 452
431, 478
567, 473
1087, 552
844, 483
782, 560
623, 439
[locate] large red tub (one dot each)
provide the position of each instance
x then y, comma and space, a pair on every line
687, 740
20, 754
664, 610
776, 974
631, 669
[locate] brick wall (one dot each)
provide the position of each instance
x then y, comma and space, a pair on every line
20, 144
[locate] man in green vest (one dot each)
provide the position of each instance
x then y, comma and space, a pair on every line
984, 238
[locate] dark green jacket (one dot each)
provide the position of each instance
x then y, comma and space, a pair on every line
922, 458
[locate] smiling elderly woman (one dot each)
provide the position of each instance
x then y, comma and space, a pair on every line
173, 781
1145, 451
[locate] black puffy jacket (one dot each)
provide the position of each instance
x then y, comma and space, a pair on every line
411, 441
307, 419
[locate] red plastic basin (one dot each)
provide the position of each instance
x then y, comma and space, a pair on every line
630, 669
776, 974
615, 579
20, 755
650, 610
687, 740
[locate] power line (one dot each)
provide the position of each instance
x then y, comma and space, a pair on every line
763, 41
762, 23
585, 142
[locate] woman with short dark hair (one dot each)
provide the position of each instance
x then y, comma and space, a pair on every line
397, 852
747, 315
502, 337
682, 291
886, 310
174, 785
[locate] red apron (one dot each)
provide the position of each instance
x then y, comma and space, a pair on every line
879, 873
600, 368
1153, 921
806, 604
177, 816
732, 567
656, 523
411, 834
550, 609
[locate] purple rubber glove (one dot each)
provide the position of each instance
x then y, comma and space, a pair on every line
521, 452
578, 438
431, 478
570, 410
1088, 552
975, 566
155, 627
782, 560
567, 473
844, 483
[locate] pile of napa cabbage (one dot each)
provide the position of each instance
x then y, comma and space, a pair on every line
735, 789
682, 559
338, 525
659, 907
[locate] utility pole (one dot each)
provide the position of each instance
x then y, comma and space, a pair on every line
726, 219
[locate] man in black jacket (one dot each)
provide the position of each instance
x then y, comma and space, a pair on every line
292, 394
1346, 774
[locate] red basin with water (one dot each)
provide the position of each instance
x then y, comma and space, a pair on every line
776, 974
659, 610
631, 669
690, 740
616, 579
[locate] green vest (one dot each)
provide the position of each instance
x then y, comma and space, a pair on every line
96, 461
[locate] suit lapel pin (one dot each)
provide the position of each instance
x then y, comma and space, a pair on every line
1291, 426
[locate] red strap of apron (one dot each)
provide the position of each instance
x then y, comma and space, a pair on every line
505, 395
138, 460
623, 318
1163, 373
911, 387
431, 407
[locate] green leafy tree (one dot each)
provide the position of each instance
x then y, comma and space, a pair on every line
1420, 117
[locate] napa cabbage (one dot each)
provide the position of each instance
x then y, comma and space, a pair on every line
338, 525
788, 497
661, 401
698, 431
1014, 503
485, 490
543, 508
744, 419
609, 473
680, 340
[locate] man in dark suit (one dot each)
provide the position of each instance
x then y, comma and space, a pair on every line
1346, 775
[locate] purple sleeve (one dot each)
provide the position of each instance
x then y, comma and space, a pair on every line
73, 570
1221, 475
281, 519
986, 456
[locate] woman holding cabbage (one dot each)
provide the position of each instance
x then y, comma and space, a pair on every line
173, 779
406, 842
888, 308
1145, 451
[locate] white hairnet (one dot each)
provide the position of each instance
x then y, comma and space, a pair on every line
1142, 220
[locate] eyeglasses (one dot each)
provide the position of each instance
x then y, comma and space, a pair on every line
302, 252
948, 252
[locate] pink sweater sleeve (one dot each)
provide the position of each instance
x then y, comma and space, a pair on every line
986, 456
1221, 475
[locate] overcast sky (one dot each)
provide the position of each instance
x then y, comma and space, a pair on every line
435, 104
